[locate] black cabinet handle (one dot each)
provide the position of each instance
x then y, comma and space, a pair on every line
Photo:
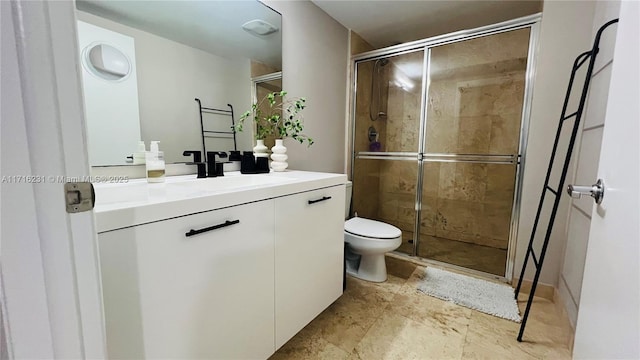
214, 227
318, 200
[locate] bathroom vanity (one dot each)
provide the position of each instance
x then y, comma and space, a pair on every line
229, 267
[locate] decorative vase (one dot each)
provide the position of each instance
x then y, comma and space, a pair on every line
260, 150
279, 156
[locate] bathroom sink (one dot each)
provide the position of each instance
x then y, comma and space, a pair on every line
137, 202
226, 183
176, 188
137, 192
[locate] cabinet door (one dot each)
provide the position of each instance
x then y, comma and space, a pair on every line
309, 257
209, 295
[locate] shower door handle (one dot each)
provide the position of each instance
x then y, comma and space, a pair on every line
596, 191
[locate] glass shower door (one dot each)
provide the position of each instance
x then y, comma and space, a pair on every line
472, 139
386, 141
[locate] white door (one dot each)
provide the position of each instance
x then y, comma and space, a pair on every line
608, 323
50, 284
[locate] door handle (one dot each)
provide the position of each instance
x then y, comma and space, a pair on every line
596, 191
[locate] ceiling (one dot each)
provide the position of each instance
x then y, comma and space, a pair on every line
385, 23
211, 26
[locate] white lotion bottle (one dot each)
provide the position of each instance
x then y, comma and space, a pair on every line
155, 164
139, 157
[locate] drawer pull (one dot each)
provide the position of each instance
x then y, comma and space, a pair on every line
214, 227
318, 200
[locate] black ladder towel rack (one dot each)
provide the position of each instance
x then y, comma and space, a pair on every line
216, 134
556, 193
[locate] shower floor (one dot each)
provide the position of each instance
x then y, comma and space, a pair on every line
471, 256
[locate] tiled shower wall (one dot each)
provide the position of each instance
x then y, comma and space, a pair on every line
474, 107
366, 188
386, 190
366, 194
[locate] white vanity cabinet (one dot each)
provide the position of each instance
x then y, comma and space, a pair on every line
206, 296
308, 257
268, 260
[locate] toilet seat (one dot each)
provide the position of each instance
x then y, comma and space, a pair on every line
371, 229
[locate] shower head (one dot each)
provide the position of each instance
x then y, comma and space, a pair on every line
377, 105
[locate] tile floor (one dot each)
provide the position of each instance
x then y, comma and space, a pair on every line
392, 320
472, 256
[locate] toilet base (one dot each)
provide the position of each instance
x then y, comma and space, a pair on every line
372, 268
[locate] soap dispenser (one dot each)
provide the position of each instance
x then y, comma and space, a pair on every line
139, 157
155, 164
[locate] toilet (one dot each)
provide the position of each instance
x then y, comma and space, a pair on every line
367, 241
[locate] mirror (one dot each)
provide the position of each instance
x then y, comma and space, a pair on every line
145, 62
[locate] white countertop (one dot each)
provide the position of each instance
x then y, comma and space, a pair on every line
138, 202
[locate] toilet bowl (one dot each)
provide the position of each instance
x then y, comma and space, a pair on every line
367, 241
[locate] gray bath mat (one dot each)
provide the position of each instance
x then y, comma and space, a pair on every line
482, 295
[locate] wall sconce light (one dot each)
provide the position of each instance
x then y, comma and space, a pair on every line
106, 62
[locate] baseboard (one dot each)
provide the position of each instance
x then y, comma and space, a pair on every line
542, 290
554, 295
559, 303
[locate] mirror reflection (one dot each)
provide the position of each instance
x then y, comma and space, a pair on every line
263, 85
144, 63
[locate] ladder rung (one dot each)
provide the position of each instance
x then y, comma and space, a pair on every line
220, 136
569, 116
553, 191
587, 56
218, 110
535, 260
219, 132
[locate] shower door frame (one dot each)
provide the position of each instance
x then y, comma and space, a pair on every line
255, 81
262, 79
533, 23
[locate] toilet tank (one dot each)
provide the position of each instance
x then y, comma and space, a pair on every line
347, 199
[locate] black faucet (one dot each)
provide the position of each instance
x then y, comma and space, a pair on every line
215, 168
197, 160
197, 155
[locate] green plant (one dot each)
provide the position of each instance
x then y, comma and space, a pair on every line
283, 119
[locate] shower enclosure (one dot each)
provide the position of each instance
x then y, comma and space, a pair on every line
439, 142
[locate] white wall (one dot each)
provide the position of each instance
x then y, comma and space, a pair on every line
315, 53
170, 76
587, 156
565, 33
